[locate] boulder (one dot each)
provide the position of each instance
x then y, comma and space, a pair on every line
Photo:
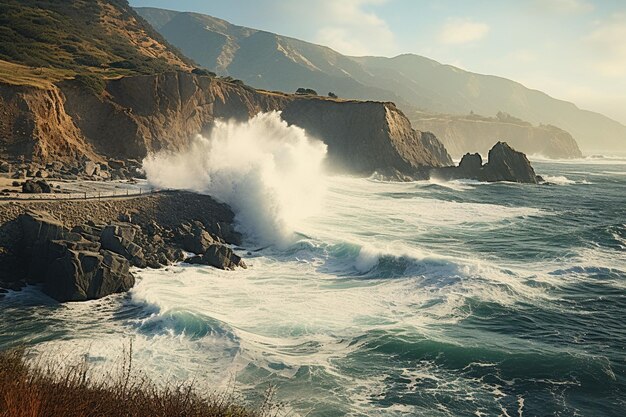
20, 174
218, 256
91, 168
119, 238
197, 240
84, 275
5, 166
42, 173
31, 187
116, 164
36, 187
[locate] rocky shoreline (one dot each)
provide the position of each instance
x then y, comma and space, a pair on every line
80, 250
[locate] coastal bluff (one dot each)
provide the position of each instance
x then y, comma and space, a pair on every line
84, 249
134, 116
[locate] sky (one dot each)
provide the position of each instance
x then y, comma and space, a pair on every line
571, 49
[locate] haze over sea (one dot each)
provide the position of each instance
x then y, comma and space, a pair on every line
366, 297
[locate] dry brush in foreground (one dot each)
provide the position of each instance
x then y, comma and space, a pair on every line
35, 391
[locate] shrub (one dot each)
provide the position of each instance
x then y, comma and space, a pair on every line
41, 391
306, 91
332, 95
91, 82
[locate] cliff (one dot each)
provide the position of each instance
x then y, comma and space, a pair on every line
136, 115
472, 133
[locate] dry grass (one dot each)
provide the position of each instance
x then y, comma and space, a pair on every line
36, 391
16, 74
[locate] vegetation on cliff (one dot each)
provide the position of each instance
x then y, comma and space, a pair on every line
84, 36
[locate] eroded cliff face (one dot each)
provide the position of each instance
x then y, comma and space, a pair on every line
460, 135
139, 115
35, 123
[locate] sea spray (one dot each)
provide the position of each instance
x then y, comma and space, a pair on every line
270, 173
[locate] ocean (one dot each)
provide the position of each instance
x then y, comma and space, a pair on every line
365, 297
423, 298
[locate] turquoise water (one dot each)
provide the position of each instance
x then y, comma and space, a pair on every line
426, 298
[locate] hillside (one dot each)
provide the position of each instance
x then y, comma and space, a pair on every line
479, 133
58, 39
271, 61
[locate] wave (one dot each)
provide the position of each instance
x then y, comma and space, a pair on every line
562, 180
586, 160
268, 172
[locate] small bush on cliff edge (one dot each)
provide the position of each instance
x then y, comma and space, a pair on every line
35, 391
91, 82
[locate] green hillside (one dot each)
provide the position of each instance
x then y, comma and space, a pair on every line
83, 36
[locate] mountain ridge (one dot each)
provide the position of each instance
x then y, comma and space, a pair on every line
267, 60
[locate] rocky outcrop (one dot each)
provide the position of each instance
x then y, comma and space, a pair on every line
505, 164
88, 254
461, 134
70, 267
142, 114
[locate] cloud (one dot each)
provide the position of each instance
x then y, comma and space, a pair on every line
352, 30
608, 47
564, 6
460, 31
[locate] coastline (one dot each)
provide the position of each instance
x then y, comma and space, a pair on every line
164, 223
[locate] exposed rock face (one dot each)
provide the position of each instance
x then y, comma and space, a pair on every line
34, 123
505, 164
142, 114
461, 134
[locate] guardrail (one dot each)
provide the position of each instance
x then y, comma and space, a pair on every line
86, 195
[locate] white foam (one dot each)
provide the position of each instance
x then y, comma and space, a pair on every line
268, 172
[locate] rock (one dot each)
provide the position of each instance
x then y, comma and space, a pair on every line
5, 166
42, 173
225, 233
116, 164
31, 187
36, 187
504, 164
83, 275
16, 184
118, 238
55, 166
41, 226
19, 174
197, 240
91, 168
218, 256
471, 162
